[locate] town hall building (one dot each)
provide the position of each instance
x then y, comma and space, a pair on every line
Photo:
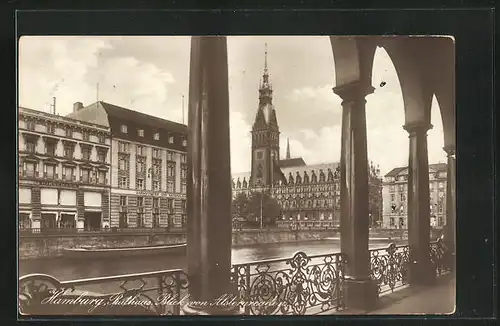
308, 194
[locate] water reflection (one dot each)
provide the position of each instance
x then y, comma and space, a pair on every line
67, 269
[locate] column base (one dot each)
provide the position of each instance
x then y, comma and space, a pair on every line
189, 310
361, 294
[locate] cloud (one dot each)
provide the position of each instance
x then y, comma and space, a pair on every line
314, 146
241, 143
72, 68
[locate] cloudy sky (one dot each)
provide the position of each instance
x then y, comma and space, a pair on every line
150, 75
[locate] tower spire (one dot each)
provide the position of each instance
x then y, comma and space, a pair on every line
265, 59
288, 148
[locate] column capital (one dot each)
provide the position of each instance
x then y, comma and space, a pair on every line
353, 91
417, 126
450, 150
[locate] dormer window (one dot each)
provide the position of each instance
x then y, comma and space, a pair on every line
156, 136
124, 129
171, 139
140, 132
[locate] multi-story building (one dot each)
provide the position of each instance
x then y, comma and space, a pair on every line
148, 164
395, 199
64, 172
307, 193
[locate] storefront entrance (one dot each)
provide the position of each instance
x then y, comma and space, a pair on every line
92, 221
48, 221
24, 221
67, 221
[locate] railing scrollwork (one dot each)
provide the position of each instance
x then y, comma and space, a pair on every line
155, 293
291, 286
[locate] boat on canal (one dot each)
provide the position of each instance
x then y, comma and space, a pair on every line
92, 252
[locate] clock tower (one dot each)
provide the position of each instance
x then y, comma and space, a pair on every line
265, 136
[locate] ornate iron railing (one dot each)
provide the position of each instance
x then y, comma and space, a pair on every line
389, 266
441, 257
155, 293
296, 285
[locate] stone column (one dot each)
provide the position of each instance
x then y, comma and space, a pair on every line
209, 178
418, 209
361, 292
451, 203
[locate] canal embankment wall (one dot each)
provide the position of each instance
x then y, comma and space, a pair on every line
35, 246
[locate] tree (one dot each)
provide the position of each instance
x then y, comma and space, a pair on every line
239, 206
262, 202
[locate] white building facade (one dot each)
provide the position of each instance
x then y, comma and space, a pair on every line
64, 172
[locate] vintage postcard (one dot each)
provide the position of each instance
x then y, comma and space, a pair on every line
236, 175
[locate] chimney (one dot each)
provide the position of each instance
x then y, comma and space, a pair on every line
77, 106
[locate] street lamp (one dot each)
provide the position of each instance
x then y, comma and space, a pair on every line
261, 212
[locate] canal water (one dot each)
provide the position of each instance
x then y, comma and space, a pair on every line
70, 269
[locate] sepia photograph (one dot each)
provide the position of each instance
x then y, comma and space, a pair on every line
236, 175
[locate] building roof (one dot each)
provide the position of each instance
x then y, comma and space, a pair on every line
394, 172
292, 162
317, 168
124, 114
115, 116
61, 119
436, 167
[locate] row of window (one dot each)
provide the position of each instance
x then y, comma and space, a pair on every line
124, 147
87, 175
141, 221
51, 129
319, 203
156, 135
154, 171
156, 185
435, 221
140, 202
402, 187
69, 150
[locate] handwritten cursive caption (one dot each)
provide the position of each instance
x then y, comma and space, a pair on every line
67, 297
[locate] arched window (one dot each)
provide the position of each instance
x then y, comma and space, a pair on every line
259, 171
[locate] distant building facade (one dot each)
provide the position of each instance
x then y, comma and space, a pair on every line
395, 199
148, 164
308, 194
64, 172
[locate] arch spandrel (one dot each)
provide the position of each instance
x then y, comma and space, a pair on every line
353, 59
443, 71
409, 57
